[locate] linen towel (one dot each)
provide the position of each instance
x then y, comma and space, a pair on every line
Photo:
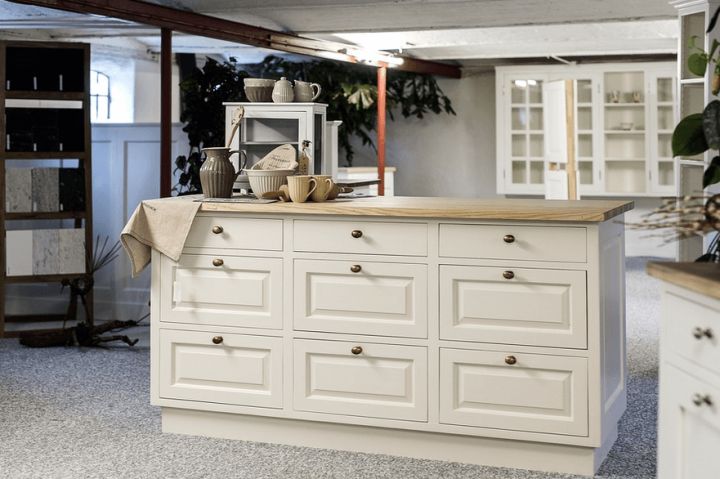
160, 224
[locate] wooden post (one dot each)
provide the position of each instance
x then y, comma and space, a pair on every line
571, 167
381, 112
165, 110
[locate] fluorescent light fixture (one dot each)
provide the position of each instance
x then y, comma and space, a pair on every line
373, 57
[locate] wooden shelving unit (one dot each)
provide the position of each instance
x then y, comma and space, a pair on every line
55, 62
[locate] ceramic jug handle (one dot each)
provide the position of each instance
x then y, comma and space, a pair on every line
242, 163
317, 93
313, 182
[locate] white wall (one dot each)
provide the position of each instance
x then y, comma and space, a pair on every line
444, 155
147, 92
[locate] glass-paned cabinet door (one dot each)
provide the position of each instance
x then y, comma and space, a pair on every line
262, 133
526, 139
624, 132
586, 142
661, 165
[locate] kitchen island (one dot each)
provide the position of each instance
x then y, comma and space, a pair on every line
481, 331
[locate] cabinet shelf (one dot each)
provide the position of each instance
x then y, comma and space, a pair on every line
624, 105
629, 159
624, 132
42, 278
263, 143
43, 155
44, 95
45, 215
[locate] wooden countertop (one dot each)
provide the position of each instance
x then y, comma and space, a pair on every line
590, 211
703, 278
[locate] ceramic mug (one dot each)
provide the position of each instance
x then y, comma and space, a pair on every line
301, 187
306, 92
324, 185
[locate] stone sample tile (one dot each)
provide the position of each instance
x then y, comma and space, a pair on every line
19, 252
72, 189
45, 189
45, 251
18, 190
71, 250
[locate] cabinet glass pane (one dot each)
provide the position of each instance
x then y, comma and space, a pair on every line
518, 92
584, 146
534, 91
666, 173
665, 145
536, 146
625, 176
664, 89
625, 146
271, 130
536, 119
519, 172
665, 118
693, 99
584, 118
584, 91
691, 25
519, 119
625, 118
624, 87
519, 146
585, 168
319, 144
537, 172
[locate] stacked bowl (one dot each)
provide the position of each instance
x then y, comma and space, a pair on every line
259, 90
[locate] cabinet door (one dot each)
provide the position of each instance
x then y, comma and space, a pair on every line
662, 169
239, 291
688, 428
264, 130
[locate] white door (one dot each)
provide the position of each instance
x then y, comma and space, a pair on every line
516, 391
221, 368
361, 379
688, 428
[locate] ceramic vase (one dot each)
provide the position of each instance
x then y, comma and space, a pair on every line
217, 174
283, 91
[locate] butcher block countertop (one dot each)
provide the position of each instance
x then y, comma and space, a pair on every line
703, 278
583, 211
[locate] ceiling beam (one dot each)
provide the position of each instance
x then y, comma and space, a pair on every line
221, 29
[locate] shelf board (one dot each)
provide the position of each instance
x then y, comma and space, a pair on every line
33, 318
531, 105
44, 95
624, 105
42, 278
46, 215
261, 143
625, 132
42, 155
665, 132
665, 103
692, 81
630, 160
584, 132
584, 104
532, 132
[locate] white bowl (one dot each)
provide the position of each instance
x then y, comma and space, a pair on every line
266, 82
264, 181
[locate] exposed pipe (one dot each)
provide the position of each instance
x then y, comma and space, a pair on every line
165, 110
381, 115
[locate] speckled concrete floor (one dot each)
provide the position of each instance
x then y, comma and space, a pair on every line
85, 413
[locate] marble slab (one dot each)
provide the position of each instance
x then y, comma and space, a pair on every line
72, 189
19, 249
71, 250
45, 189
45, 251
18, 190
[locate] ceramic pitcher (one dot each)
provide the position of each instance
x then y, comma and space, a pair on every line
283, 91
306, 92
217, 173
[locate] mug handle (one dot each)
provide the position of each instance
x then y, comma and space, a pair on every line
313, 182
317, 93
329, 183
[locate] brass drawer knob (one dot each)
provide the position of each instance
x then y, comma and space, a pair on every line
700, 333
508, 274
217, 229
509, 238
700, 400
510, 360
356, 350
217, 339
356, 234
356, 268
218, 262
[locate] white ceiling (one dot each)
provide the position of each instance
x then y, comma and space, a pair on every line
462, 30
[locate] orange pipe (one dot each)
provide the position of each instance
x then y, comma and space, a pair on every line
381, 112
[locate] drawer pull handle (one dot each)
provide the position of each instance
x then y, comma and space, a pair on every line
356, 234
217, 339
509, 239
700, 333
508, 274
218, 262
356, 350
699, 400
510, 360
217, 229
356, 268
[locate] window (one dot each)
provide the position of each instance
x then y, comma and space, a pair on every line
99, 96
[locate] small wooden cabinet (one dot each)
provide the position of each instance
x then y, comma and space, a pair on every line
469, 339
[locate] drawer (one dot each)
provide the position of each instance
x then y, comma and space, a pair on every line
536, 307
377, 380
520, 392
510, 242
242, 370
362, 237
692, 330
388, 299
242, 292
235, 233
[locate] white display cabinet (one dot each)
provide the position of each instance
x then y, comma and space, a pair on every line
265, 126
624, 116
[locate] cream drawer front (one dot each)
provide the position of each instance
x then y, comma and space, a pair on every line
404, 239
694, 329
236, 233
243, 292
538, 307
243, 370
382, 381
509, 242
387, 299
537, 393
